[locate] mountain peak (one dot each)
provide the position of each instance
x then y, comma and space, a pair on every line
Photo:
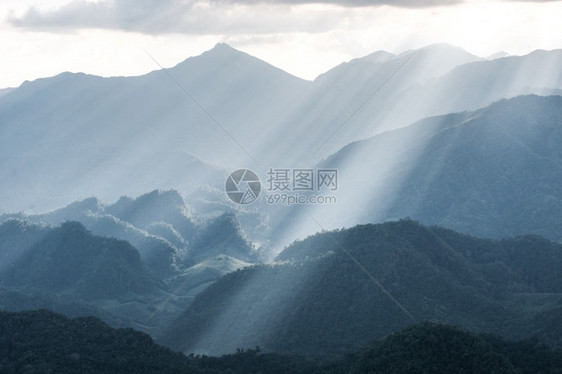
73, 227
443, 49
223, 47
441, 46
155, 206
222, 50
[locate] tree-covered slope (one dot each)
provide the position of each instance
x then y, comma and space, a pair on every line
495, 172
44, 342
434, 348
138, 262
337, 290
70, 260
16, 237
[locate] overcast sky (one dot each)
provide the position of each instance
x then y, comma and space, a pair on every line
40, 38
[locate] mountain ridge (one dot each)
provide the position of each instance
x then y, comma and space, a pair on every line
179, 251
71, 259
151, 122
491, 173
65, 345
323, 303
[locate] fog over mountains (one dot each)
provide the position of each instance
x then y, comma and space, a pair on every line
446, 209
495, 172
138, 262
99, 134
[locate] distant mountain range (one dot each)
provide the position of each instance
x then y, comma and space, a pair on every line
495, 172
334, 291
100, 134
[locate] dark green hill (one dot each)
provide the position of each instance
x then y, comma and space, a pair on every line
163, 253
96, 267
44, 342
433, 348
70, 260
16, 237
14, 301
337, 290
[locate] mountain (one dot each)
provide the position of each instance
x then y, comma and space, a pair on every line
430, 81
17, 301
335, 291
495, 172
70, 260
415, 67
169, 235
16, 236
103, 133
224, 236
457, 154
189, 125
77, 273
42, 341
475, 85
161, 257
180, 253
368, 96
356, 100
154, 207
427, 63
4, 91
444, 349
220, 247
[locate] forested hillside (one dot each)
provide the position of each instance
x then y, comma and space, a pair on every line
335, 291
44, 342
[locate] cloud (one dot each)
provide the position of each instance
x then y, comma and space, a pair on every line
131, 15
215, 17
352, 3
201, 17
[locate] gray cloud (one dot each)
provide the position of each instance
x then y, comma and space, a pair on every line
353, 3
195, 17
205, 16
532, 1
133, 15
